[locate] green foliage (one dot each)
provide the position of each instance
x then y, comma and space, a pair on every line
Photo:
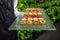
25, 34
52, 8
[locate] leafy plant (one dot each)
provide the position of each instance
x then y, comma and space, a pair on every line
25, 34
52, 8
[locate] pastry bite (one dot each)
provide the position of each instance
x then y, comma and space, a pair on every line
39, 16
27, 8
25, 16
34, 16
24, 19
40, 19
39, 13
34, 13
26, 13
37, 9
29, 22
42, 22
30, 18
22, 22
31, 9
30, 13
36, 22
35, 19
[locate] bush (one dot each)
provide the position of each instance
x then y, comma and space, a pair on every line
52, 8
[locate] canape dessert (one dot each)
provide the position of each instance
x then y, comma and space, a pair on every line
24, 19
34, 10
35, 19
30, 18
26, 13
34, 16
39, 16
42, 22
34, 13
30, 10
36, 22
40, 19
22, 22
25, 16
29, 22
30, 13
27, 9
39, 13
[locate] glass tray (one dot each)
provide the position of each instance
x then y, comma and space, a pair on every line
48, 26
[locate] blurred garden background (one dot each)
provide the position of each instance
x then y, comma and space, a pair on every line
51, 7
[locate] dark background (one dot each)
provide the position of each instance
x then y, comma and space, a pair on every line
7, 17
48, 34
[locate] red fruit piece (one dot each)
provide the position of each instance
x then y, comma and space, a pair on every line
25, 16
37, 10
34, 16
39, 16
30, 16
34, 10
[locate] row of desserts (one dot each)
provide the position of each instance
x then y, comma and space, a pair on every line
35, 21
32, 17
32, 10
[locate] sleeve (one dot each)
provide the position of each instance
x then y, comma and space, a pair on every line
6, 19
7, 15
